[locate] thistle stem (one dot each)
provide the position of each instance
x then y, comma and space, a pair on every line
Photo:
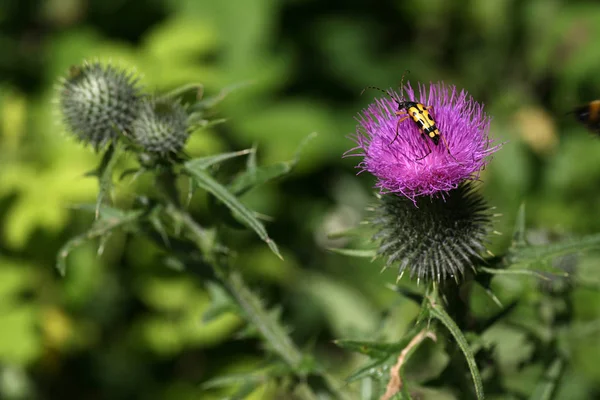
395, 384
268, 327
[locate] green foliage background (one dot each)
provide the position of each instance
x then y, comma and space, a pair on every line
123, 325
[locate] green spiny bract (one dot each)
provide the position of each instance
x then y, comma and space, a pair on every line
98, 102
161, 127
438, 239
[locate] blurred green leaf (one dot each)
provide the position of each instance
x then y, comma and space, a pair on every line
546, 389
220, 302
531, 254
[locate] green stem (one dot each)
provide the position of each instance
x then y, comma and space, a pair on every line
268, 327
438, 312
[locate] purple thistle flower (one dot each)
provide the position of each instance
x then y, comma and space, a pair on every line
402, 163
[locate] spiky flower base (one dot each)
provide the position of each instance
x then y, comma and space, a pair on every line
161, 127
98, 102
438, 239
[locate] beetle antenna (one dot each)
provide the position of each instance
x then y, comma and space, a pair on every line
406, 71
382, 91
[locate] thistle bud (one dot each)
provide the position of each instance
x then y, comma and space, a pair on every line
98, 102
161, 127
438, 239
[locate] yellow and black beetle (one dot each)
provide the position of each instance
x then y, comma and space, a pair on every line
421, 116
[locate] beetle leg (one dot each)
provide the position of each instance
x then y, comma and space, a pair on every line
398, 126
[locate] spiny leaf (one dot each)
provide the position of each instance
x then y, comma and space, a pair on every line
208, 183
100, 228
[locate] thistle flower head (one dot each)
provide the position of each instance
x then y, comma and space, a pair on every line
407, 162
97, 102
161, 127
438, 239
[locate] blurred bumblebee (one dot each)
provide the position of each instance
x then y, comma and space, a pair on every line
589, 115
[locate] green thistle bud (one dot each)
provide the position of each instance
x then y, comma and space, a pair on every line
161, 127
438, 239
97, 102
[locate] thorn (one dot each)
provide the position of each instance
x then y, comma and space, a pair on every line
490, 253
497, 215
383, 269
497, 233
495, 299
